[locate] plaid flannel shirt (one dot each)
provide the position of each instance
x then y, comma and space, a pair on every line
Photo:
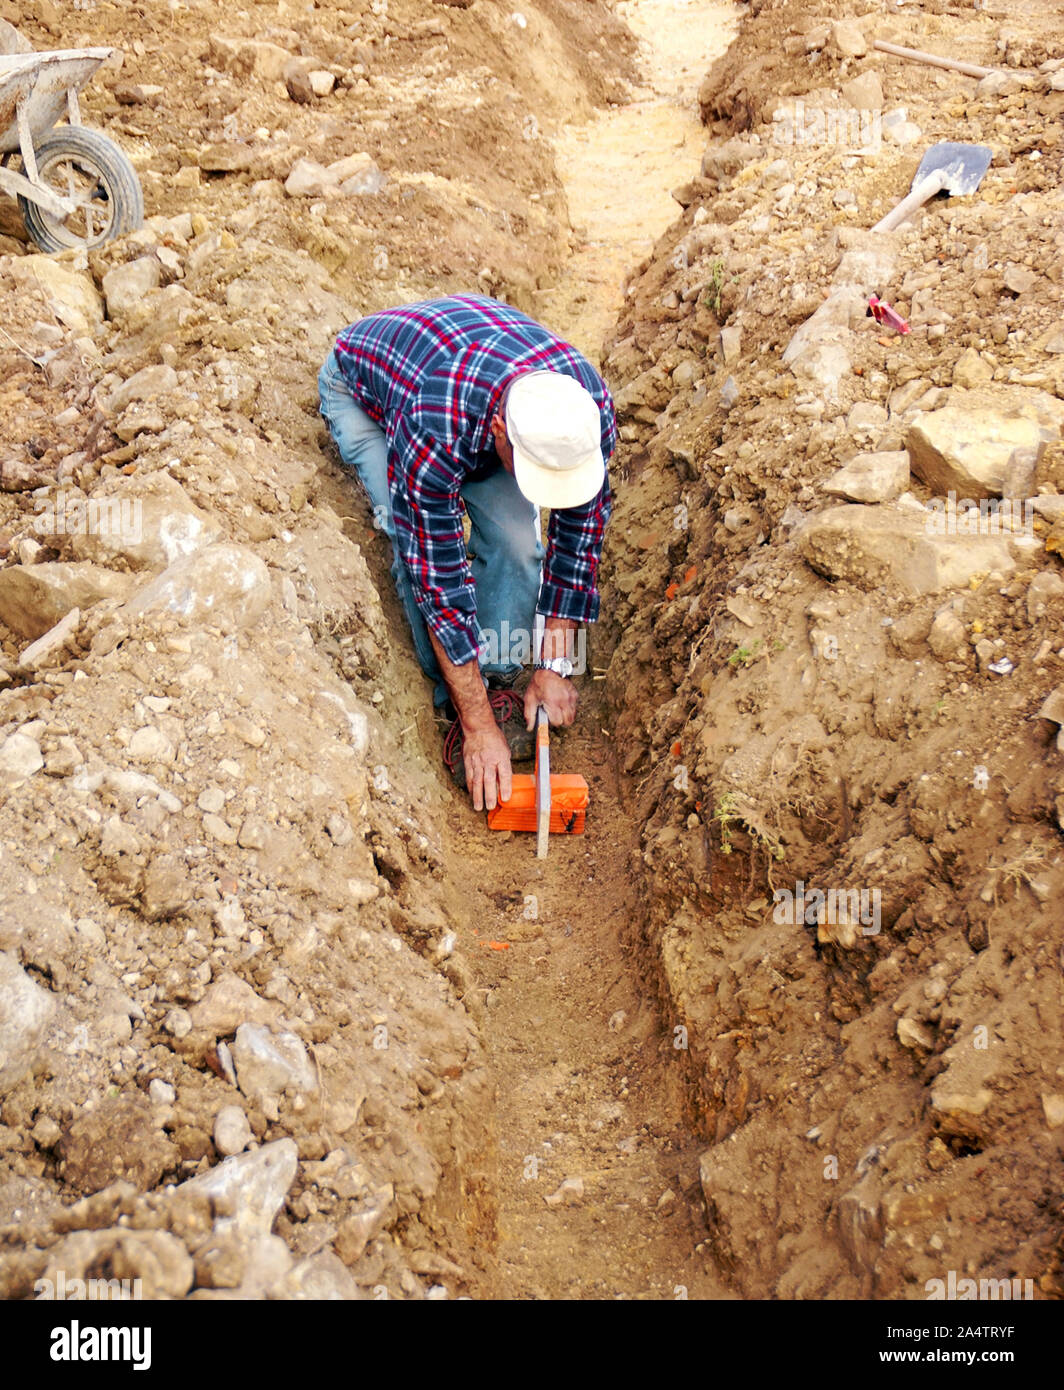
433, 375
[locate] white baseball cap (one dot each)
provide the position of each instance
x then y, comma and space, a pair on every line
555, 428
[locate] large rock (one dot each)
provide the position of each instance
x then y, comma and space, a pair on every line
268, 1064
308, 179
250, 57
33, 598
148, 526
26, 1010
11, 41
223, 586
144, 385
20, 759
871, 546
70, 294
848, 39
967, 446
819, 350
250, 1188
863, 93
227, 1003
124, 286
871, 477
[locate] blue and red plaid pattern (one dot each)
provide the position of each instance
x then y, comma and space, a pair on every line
433, 375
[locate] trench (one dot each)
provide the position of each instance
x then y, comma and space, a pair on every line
589, 1075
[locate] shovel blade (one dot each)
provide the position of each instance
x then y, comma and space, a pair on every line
961, 165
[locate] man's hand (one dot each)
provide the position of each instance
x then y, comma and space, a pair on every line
485, 753
487, 767
554, 693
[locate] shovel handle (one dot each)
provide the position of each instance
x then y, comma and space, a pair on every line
925, 189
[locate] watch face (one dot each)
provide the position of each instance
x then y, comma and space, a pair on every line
563, 666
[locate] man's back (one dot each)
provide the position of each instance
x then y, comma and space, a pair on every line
444, 364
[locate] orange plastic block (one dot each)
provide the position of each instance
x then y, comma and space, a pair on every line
568, 805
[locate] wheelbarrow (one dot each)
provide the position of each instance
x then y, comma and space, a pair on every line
75, 187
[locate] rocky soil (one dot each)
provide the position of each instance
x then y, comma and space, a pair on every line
243, 918
814, 686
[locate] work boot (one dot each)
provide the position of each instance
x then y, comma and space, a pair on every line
509, 711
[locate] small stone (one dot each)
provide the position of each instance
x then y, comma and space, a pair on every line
970, 370
20, 759
359, 1228
569, 1194
178, 1023
913, 1034
309, 179
124, 286
150, 745
848, 39
298, 83
138, 93
161, 1092
1019, 278
48, 650
322, 82
220, 829
252, 833
863, 93
46, 1133
232, 1133
1053, 706
948, 637
227, 1003
730, 343
64, 759
1053, 1106
247, 731
211, 799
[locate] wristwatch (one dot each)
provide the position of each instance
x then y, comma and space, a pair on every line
560, 665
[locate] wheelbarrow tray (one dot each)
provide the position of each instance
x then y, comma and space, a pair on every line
42, 81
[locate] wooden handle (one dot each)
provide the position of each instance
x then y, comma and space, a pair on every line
917, 55
926, 188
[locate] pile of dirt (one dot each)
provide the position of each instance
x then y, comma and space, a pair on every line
840, 702
228, 925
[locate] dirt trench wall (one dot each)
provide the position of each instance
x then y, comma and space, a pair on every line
808, 681
226, 921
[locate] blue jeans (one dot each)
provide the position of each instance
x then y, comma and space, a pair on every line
506, 550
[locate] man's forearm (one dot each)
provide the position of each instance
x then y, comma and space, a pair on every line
466, 685
559, 638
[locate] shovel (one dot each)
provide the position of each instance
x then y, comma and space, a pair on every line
947, 167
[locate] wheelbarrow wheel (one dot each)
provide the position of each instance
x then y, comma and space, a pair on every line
87, 167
